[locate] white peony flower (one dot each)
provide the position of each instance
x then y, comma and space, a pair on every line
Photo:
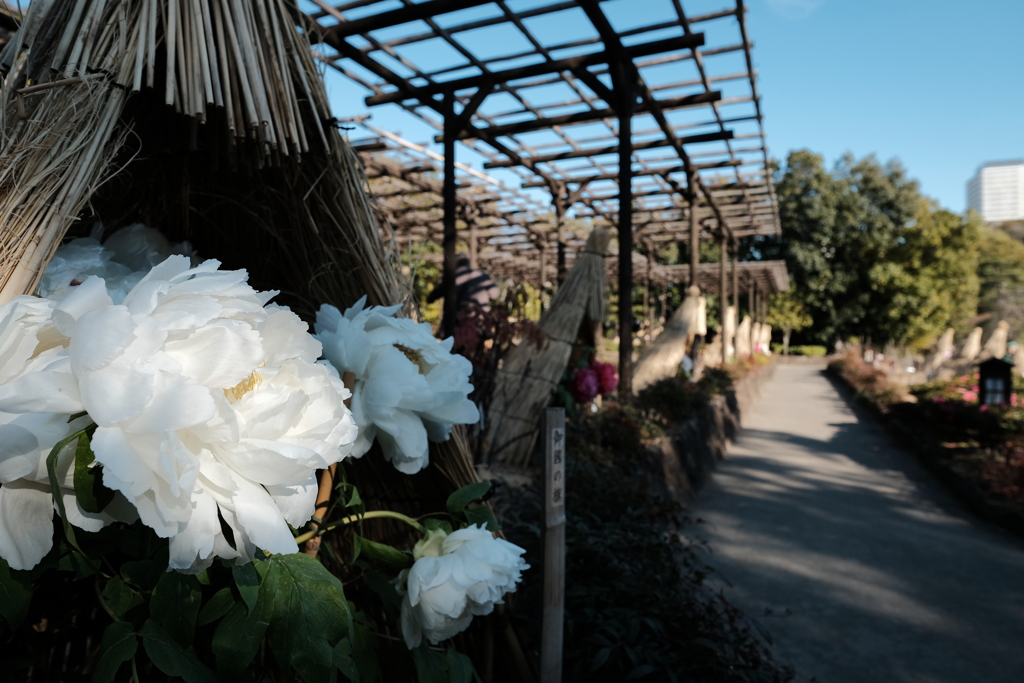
455, 577
34, 377
410, 388
122, 260
212, 415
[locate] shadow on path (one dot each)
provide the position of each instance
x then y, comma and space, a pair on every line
859, 564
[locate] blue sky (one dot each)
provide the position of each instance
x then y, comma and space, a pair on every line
937, 83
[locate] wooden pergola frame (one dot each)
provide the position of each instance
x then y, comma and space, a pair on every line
671, 179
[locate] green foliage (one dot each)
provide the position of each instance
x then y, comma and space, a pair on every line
435, 666
802, 350
382, 553
786, 312
118, 646
637, 607
14, 597
870, 383
424, 275
868, 255
92, 495
1001, 276
210, 626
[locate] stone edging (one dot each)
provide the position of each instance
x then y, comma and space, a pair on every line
932, 457
684, 459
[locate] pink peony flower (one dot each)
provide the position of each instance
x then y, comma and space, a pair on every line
1013, 399
607, 378
970, 396
984, 408
975, 388
977, 375
584, 388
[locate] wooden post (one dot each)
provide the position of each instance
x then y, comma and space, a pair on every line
451, 130
723, 295
694, 228
736, 279
552, 623
625, 111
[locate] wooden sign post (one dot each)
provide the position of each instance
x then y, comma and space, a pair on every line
554, 545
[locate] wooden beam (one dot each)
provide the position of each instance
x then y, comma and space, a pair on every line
397, 17
584, 117
644, 172
425, 93
614, 149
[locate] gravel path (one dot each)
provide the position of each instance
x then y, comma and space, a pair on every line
861, 566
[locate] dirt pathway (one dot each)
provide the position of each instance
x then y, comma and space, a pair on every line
860, 565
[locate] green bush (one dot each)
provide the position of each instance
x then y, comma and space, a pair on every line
812, 351
637, 604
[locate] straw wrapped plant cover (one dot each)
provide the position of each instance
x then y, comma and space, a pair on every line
529, 373
662, 358
191, 116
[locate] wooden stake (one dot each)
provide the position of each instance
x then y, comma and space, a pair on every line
552, 623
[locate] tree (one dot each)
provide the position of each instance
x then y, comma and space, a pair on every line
786, 312
1001, 277
867, 254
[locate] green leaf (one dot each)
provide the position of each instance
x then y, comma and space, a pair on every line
484, 516
117, 647
175, 605
203, 578
343, 661
460, 667
14, 597
247, 580
381, 584
55, 486
458, 501
432, 523
120, 597
355, 499
431, 665
219, 605
382, 553
172, 658
92, 495
364, 647
142, 574
310, 614
238, 636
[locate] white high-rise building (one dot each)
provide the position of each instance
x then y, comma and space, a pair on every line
997, 191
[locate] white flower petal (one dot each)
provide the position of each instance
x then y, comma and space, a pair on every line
47, 391
295, 502
91, 295
259, 517
220, 355
26, 524
100, 337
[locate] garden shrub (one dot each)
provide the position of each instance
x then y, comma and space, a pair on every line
637, 605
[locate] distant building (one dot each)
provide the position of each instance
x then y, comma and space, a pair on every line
997, 191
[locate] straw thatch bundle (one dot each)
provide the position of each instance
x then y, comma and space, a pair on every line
972, 346
662, 358
530, 374
943, 351
744, 343
729, 330
995, 347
